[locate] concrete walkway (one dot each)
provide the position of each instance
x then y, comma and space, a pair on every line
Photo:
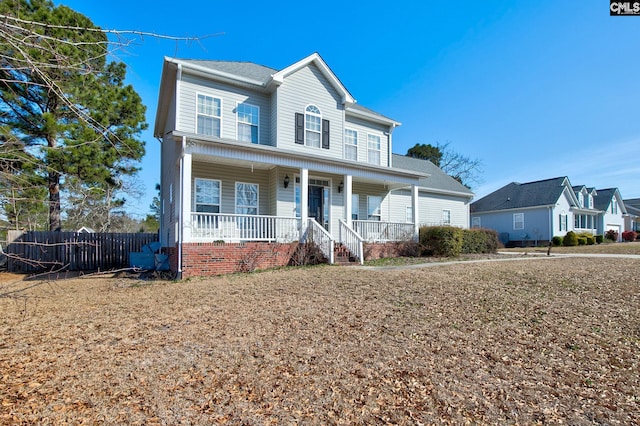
515, 256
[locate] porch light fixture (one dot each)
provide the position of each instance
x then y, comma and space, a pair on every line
340, 187
286, 181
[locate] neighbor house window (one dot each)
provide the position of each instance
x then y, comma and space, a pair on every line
475, 222
446, 217
208, 115
614, 206
207, 198
248, 117
373, 149
313, 126
350, 144
373, 207
355, 206
563, 221
518, 221
246, 198
580, 199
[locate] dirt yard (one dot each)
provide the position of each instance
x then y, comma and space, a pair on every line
542, 341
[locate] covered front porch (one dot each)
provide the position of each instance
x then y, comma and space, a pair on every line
260, 194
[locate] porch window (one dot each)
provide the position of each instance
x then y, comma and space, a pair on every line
373, 149
208, 115
350, 145
518, 221
446, 217
373, 207
355, 206
313, 126
408, 214
248, 117
246, 198
207, 199
475, 222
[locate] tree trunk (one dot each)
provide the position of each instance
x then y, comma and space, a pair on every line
54, 201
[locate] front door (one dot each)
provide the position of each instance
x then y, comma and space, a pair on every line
316, 203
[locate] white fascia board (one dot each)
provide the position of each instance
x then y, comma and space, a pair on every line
516, 209
374, 117
278, 78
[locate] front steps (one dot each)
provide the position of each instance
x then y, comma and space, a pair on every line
343, 256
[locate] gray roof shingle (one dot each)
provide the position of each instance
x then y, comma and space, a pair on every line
438, 180
241, 69
520, 195
602, 200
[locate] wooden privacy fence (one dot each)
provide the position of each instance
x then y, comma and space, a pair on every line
36, 251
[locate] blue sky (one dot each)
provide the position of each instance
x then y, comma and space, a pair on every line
534, 89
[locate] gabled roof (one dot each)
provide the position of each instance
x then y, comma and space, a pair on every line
438, 180
604, 197
254, 76
523, 195
633, 206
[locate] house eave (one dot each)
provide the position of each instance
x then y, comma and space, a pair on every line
373, 117
297, 157
221, 75
544, 206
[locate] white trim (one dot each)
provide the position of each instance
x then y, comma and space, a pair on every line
195, 127
238, 103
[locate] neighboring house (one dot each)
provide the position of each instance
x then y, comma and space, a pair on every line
632, 220
257, 160
524, 213
85, 230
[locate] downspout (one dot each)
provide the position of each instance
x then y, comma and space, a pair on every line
181, 203
550, 223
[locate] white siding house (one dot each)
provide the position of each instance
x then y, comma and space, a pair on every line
268, 159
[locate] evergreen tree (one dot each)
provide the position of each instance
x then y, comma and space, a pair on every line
65, 103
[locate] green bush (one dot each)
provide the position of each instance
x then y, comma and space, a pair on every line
557, 240
582, 241
441, 240
599, 239
591, 240
571, 239
479, 240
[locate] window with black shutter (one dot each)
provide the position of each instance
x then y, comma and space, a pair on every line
325, 134
299, 128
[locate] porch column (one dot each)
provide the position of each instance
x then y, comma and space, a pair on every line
304, 200
348, 199
414, 208
185, 197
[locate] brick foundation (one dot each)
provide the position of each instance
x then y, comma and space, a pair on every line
205, 259
373, 251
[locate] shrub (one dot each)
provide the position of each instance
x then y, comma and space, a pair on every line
571, 239
599, 239
629, 236
479, 241
557, 240
441, 240
582, 241
591, 240
611, 235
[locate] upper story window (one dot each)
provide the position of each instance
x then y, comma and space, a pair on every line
350, 144
589, 201
207, 198
580, 199
311, 129
313, 126
248, 118
614, 206
373, 149
518, 221
209, 115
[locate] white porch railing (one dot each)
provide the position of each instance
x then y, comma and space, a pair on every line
352, 241
239, 227
373, 230
318, 235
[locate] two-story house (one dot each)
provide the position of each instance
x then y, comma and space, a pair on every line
534, 212
257, 160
